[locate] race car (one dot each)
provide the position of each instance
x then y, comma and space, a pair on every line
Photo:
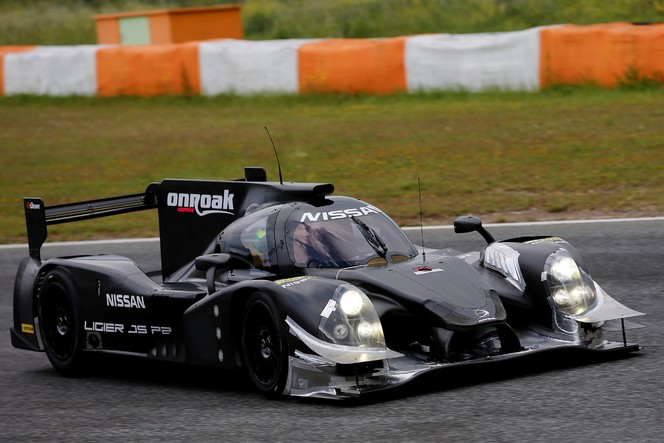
309, 294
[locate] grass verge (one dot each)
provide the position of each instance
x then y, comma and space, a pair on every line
506, 156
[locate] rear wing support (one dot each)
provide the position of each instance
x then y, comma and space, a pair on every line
38, 216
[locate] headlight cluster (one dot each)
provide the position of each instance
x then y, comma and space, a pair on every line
569, 286
350, 319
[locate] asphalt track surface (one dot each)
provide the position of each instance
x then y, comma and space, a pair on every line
562, 397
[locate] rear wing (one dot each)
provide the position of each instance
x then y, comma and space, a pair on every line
191, 212
38, 217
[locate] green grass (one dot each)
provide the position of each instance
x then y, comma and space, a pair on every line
47, 22
505, 156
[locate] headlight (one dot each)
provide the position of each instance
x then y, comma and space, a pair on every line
351, 302
565, 269
569, 286
350, 319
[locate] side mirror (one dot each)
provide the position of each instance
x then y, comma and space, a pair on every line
470, 223
211, 263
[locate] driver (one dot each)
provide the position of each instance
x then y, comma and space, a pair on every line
308, 245
254, 238
323, 243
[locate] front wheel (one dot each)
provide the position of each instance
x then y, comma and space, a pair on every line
60, 322
264, 345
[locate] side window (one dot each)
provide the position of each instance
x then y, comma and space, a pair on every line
249, 238
254, 239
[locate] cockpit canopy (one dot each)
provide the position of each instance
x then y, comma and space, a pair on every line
341, 232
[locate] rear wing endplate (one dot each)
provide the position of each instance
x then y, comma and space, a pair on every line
38, 216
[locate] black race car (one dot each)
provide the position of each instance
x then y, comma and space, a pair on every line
310, 294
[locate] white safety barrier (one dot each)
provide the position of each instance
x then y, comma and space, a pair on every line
504, 60
245, 67
52, 70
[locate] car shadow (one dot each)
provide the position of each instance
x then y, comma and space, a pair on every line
131, 370
459, 377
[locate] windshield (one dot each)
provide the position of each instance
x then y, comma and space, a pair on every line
328, 237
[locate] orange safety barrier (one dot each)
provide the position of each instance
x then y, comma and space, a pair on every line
9, 50
148, 70
352, 65
600, 54
649, 51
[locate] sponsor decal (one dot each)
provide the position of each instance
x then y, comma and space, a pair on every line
119, 328
202, 204
32, 205
125, 301
481, 313
27, 328
144, 330
287, 282
339, 214
98, 326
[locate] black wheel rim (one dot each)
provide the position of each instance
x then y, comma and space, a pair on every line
59, 324
262, 345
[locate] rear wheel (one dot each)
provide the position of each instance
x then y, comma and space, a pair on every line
60, 322
264, 345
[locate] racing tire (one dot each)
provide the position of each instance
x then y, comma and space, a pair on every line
264, 345
60, 323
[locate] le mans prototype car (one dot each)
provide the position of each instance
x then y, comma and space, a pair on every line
310, 294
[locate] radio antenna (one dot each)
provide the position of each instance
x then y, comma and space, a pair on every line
281, 180
419, 193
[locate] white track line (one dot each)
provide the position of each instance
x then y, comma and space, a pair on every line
408, 228
545, 223
85, 242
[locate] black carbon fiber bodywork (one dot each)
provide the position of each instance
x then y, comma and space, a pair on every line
224, 243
